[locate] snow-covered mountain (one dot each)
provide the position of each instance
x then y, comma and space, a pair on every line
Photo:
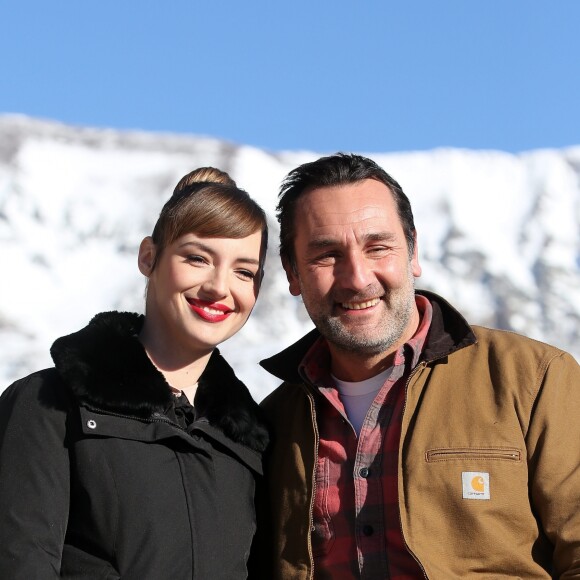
499, 234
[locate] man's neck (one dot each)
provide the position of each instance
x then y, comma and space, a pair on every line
353, 368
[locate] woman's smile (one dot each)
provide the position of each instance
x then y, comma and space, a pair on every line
209, 311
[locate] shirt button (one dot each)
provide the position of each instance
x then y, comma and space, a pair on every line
364, 472
368, 530
91, 424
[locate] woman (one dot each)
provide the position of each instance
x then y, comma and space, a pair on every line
136, 456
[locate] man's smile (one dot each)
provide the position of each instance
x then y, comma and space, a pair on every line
360, 305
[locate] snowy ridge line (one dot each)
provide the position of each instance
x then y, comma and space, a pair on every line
499, 234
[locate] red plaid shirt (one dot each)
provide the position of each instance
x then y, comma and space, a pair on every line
356, 529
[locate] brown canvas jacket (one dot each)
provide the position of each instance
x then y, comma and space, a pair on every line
489, 458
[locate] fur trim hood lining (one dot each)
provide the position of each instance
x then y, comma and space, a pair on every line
106, 367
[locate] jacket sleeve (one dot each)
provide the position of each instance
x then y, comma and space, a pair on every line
259, 565
34, 478
553, 441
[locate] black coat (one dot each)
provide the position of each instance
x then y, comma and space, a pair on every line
96, 481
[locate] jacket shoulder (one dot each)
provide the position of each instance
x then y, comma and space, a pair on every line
288, 410
42, 390
506, 343
282, 396
521, 361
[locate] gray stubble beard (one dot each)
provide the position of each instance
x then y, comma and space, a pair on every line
400, 303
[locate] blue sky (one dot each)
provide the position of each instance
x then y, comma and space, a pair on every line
323, 75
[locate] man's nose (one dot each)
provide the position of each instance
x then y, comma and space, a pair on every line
355, 272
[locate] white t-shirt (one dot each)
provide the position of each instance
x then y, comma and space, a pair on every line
358, 397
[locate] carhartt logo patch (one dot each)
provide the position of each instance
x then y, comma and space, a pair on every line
475, 485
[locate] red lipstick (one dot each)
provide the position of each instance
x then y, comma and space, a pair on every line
209, 311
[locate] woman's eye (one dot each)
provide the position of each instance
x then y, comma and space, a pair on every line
194, 259
246, 274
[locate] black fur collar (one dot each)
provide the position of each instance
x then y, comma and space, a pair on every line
106, 367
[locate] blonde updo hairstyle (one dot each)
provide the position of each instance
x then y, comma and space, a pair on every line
208, 203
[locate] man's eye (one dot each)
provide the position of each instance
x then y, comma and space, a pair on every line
325, 258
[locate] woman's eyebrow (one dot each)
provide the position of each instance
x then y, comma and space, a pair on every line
252, 261
204, 248
199, 246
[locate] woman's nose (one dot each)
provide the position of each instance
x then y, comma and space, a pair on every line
216, 285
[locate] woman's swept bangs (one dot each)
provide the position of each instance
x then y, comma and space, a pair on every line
210, 210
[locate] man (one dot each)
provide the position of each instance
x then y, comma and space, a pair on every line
408, 444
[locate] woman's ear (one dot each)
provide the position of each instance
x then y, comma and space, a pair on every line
147, 253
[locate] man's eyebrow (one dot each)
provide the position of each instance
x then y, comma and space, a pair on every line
380, 237
321, 243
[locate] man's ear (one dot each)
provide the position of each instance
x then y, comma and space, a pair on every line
292, 276
415, 265
147, 253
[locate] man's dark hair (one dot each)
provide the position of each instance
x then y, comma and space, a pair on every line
337, 169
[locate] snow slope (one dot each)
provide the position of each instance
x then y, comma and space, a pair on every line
499, 234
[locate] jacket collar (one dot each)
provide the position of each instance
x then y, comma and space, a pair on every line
449, 332
106, 367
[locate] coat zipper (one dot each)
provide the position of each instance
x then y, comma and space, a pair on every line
313, 496
422, 364
413, 372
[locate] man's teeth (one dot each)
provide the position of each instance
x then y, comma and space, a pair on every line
360, 305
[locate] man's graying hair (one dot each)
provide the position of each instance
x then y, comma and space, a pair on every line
337, 169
